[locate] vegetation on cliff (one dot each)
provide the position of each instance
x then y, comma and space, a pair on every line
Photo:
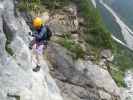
123, 61
95, 34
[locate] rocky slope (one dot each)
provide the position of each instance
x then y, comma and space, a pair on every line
71, 79
17, 81
81, 80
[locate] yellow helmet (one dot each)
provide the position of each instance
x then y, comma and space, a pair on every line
37, 22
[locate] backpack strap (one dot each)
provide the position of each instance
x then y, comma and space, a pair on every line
49, 33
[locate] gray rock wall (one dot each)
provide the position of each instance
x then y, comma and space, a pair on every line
77, 80
17, 80
81, 80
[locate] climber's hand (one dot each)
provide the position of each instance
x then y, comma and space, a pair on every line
30, 33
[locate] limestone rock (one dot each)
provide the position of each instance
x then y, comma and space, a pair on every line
17, 80
107, 54
104, 95
81, 80
65, 22
77, 80
73, 83
100, 77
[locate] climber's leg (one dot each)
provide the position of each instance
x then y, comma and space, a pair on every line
33, 56
39, 57
32, 43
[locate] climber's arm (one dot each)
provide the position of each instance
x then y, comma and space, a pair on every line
39, 35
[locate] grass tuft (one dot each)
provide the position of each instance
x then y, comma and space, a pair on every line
73, 47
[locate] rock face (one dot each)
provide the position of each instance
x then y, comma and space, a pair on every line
17, 80
81, 80
101, 78
65, 21
77, 80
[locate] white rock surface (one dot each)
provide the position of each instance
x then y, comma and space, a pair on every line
17, 80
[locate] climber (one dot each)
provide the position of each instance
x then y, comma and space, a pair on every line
41, 37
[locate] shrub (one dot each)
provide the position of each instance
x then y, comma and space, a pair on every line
31, 5
55, 4
96, 33
118, 76
123, 57
39, 6
73, 47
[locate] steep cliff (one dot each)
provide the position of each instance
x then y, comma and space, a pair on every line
17, 81
76, 78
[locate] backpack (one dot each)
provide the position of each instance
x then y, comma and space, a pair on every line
46, 33
49, 33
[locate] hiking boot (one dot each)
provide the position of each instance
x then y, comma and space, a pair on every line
30, 47
37, 68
